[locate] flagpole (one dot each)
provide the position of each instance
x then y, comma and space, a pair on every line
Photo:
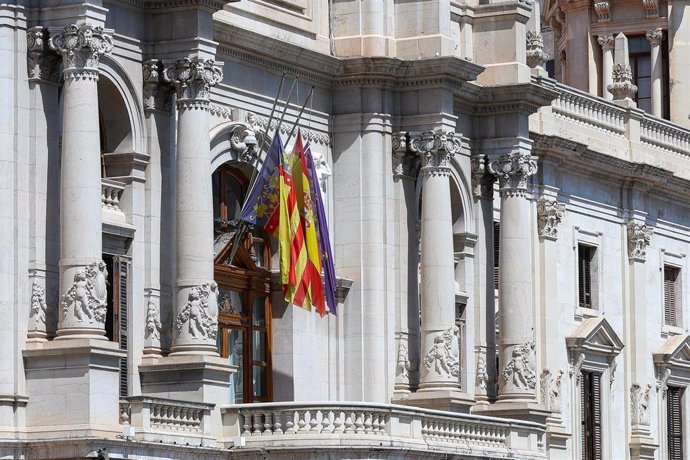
299, 116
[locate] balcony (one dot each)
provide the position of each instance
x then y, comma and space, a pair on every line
111, 194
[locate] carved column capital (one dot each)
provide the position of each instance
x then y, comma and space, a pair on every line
622, 86
482, 182
404, 162
655, 37
549, 215
639, 237
193, 80
81, 47
435, 149
606, 41
536, 57
43, 63
512, 171
157, 93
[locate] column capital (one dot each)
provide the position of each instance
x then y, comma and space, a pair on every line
42, 63
435, 149
482, 183
512, 171
606, 41
639, 237
655, 36
404, 162
193, 80
81, 47
157, 93
549, 215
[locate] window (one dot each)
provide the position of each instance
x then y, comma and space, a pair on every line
674, 423
639, 50
585, 270
590, 405
497, 236
671, 295
116, 316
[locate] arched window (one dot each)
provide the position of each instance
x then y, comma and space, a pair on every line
244, 317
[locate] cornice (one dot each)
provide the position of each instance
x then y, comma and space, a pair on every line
517, 11
627, 27
489, 100
208, 5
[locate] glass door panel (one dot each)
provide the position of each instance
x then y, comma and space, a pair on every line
235, 352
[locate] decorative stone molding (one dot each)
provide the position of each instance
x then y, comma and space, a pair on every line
622, 86
81, 47
612, 372
443, 357
435, 149
536, 57
603, 9
512, 171
656, 36
260, 123
404, 163
157, 94
482, 183
39, 309
651, 8
404, 365
198, 314
575, 368
639, 237
193, 80
606, 41
550, 390
520, 372
153, 323
549, 215
86, 299
482, 375
639, 404
244, 143
661, 380
43, 64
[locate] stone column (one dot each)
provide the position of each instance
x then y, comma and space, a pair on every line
440, 369
196, 308
655, 38
82, 272
606, 42
518, 374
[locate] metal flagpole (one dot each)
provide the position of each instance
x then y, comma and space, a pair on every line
299, 115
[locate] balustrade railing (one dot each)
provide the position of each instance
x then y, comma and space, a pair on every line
586, 109
111, 194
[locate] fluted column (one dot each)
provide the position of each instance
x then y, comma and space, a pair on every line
656, 37
82, 272
440, 368
517, 360
606, 41
196, 308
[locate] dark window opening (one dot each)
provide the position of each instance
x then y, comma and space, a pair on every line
671, 291
674, 423
590, 406
585, 258
497, 235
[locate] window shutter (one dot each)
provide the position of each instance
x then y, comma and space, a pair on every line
670, 301
497, 236
584, 395
674, 423
121, 312
596, 415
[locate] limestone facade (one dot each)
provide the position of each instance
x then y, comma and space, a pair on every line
504, 241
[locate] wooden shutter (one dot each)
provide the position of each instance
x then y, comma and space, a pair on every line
590, 406
584, 275
670, 300
497, 236
674, 422
120, 313
596, 415
584, 414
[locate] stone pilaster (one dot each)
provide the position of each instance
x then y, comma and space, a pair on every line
196, 308
82, 309
607, 44
656, 37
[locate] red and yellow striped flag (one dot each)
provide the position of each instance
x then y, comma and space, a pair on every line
290, 235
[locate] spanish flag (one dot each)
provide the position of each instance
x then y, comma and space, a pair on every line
293, 254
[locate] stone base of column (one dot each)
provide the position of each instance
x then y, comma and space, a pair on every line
73, 386
642, 445
557, 434
525, 411
452, 400
189, 378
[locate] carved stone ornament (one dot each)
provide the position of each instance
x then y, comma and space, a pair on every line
244, 142
639, 237
435, 149
662, 380
193, 80
551, 390
549, 215
403, 366
651, 8
404, 162
482, 183
512, 171
482, 376
43, 64
153, 323
603, 9
198, 315
612, 372
323, 170
443, 358
656, 36
520, 372
536, 57
606, 41
81, 47
86, 299
639, 404
260, 125
622, 86
38, 306
157, 93
575, 368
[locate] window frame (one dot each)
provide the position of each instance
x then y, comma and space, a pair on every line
676, 308
671, 454
592, 239
591, 413
677, 261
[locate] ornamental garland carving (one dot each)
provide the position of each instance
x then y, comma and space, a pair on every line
403, 366
259, 124
639, 237
81, 48
198, 314
512, 171
42, 62
157, 93
520, 372
622, 86
435, 149
482, 375
38, 306
443, 358
551, 390
193, 80
639, 404
550, 213
86, 299
153, 322
536, 57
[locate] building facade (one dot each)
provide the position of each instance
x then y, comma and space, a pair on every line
507, 187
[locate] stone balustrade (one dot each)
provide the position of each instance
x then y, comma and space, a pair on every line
359, 425
586, 109
111, 194
664, 134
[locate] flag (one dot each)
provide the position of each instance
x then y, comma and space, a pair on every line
309, 290
262, 206
322, 229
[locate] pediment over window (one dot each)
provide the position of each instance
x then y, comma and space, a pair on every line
243, 259
674, 353
595, 336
